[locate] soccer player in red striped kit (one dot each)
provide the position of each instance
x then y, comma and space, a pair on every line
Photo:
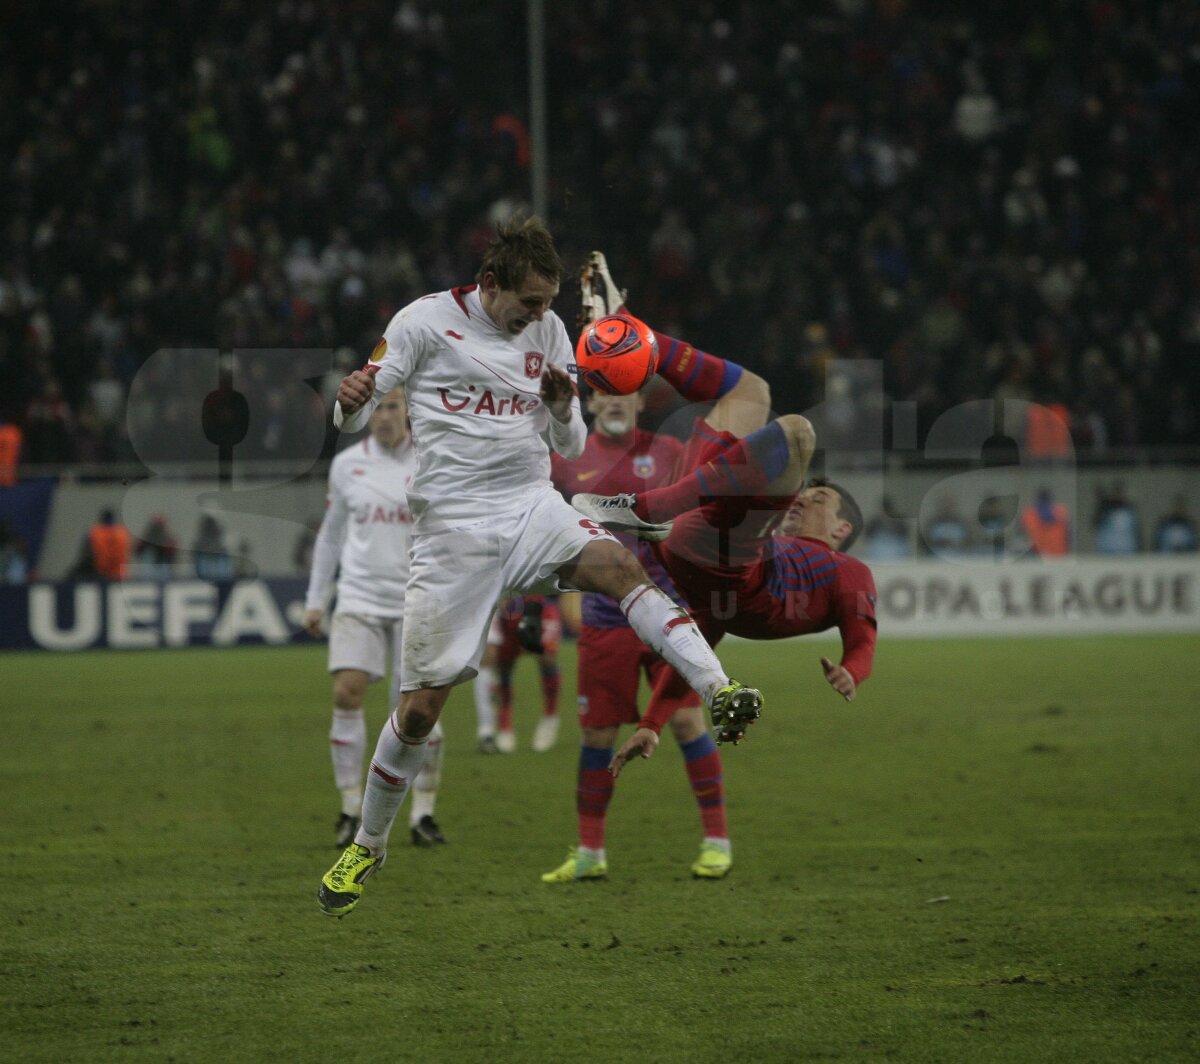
620, 457
755, 550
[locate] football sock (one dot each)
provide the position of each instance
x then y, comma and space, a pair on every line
504, 694
485, 701
695, 374
396, 761
672, 634
702, 760
347, 748
425, 786
593, 792
744, 468
550, 685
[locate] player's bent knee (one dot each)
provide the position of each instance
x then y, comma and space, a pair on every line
419, 710
349, 688
607, 567
801, 436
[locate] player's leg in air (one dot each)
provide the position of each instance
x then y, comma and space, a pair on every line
738, 452
422, 827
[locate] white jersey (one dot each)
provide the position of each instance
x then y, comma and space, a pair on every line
366, 531
473, 401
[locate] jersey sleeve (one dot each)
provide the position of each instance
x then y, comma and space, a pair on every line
394, 358
856, 620
566, 437
327, 549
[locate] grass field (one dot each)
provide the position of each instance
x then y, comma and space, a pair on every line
992, 855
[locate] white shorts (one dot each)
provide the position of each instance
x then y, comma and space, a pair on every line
459, 575
361, 641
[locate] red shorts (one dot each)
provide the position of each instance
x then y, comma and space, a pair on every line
612, 661
503, 633
711, 547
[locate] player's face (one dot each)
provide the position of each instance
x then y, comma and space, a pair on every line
389, 420
814, 514
514, 308
614, 415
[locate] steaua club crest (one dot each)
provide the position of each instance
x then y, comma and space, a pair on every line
643, 466
533, 364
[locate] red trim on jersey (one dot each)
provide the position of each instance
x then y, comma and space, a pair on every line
366, 445
675, 623
370, 368
458, 294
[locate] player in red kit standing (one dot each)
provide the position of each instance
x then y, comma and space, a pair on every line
620, 457
755, 552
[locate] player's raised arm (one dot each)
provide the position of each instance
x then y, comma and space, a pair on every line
568, 433
354, 394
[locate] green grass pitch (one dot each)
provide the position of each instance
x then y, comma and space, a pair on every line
992, 855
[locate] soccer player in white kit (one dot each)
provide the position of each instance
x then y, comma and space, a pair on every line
365, 539
486, 369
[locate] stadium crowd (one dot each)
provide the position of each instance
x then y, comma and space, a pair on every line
989, 199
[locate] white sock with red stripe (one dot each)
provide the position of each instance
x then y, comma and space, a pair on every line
672, 634
347, 748
485, 701
396, 762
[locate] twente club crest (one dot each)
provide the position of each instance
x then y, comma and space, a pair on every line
533, 364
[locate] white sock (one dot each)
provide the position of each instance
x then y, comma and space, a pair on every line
347, 747
485, 701
720, 844
397, 760
425, 786
672, 634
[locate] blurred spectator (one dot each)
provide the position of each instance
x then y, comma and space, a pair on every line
1176, 531
1048, 432
1047, 523
996, 516
987, 198
212, 560
886, 536
14, 562
154, 558
244, 567
946, 535
1115, 524
10, 452
48, 426
105, 553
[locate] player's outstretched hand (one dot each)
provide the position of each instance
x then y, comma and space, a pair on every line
839, 679
354, 391
312, 622
642, 743
557, 391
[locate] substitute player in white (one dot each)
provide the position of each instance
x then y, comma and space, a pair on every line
486, 369
365, 539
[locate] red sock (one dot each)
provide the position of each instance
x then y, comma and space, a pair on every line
702, 760
504, 694
694, 374
550, 691
593, 792
733, 472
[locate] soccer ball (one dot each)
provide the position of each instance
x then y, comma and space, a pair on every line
617, 354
